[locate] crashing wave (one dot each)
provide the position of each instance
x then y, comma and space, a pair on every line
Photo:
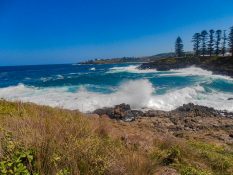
130, 69
195, 71
138, 93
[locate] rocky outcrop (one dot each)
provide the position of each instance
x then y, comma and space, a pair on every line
188, 117
170, 63
218, 65
187, 120
192, 110
120, 112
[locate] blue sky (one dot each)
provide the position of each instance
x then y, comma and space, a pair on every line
67, 31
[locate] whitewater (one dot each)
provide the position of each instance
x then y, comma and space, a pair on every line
89, 87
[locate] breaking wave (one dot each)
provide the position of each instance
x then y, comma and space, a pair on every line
195, 71
130, 69
138, 93
92, 69
190, 71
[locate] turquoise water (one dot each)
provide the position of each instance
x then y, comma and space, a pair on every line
88, 87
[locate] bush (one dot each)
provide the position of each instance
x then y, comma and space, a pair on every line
172, 156
16, 160
189, 170
217, 157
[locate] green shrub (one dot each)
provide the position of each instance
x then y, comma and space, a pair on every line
217, 157
172, 156
189, 170
166, 156
64, 172
15, 160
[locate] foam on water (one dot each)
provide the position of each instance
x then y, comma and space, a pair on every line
137, 93
92, 69
195, 94
195, 71
130, 69
190, 71
76, 64
59, 77
90, 89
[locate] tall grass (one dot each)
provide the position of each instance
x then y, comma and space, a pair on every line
51, 141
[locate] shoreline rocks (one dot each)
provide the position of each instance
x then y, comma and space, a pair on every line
120, 112
188, 117
218, 65
125, 113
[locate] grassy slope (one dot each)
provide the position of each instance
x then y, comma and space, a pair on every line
43, 140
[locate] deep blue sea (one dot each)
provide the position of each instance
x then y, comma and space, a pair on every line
88, 87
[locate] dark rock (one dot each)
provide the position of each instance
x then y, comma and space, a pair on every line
170, 63
196, 110
122, 108
230, 99
137, 113
154, 113
189, 117
120, 112
221, 65
100, 112
128, 116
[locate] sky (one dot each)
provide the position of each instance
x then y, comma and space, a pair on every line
69, 31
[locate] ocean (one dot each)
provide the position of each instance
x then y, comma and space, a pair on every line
89, 87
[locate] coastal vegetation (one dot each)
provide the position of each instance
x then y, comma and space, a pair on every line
140, 114
41, 140
212, 42
209, 52
179, 47
231, 40
218, 65
205, 43
129, 59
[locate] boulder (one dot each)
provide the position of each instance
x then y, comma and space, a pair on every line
120, 112
104, 111
192, 110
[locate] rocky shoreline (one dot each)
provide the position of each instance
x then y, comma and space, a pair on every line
125, 113
186, 118
218, 65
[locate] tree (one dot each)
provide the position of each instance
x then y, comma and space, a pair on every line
218, 41
211, 42
179, 47
196, 43
224, 40
230, 40
203, 42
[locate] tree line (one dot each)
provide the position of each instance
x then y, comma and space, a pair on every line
208, 43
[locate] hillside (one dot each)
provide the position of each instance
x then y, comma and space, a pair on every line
128, 59
43, 140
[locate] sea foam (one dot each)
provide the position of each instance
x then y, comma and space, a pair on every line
138, 93
195, 71
190, 71
130, 69
92, 69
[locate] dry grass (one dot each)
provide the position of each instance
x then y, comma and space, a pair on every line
67, 142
